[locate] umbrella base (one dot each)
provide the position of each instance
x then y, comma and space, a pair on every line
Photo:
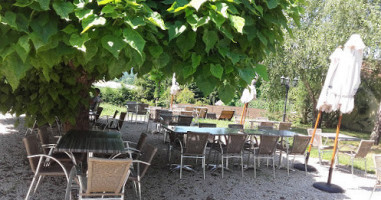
300, 166
330, 188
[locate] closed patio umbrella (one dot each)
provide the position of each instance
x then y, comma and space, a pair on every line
174, 88
338, 93
248, 95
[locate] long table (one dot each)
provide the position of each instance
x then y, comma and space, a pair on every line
89, 141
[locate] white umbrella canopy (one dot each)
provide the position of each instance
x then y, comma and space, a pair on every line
343, 77
175, 85
249, 93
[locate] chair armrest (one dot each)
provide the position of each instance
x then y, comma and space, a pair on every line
48, 146
52, 158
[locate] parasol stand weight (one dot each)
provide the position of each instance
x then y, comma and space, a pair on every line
328, 187
310, 168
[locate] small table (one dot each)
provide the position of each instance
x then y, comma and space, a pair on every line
342, 137
89, 141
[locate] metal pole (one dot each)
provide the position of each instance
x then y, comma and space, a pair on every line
285, 102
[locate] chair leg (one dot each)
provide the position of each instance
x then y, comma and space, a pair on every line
135, 188
203, 166
30, 187
352, 159
255, 168
274, 166
38, 183
222, 165
140, 190
365, 166
242, 165
181, 166
288, 165
371, 194
320, 160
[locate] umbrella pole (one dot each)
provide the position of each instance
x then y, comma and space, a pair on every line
327, 186
171, 101
243, 113
334, 150
313, 137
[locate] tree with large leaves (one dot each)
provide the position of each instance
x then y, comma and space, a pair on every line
53, 50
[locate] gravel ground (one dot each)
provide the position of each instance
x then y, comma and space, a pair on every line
159, 183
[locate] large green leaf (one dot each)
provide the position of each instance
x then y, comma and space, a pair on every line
14, 69
23, 3
210, 38
272, 3
178, 5
216, 70
116, 67
63, 8
136, 22
134, 39
237, 22
44, 4
196, 3
261, 70
176, 29
222, 9
155, 51
23, 47
196, 21
156, 19
205, 84
44, 27
247, 74
186, 41
10, 19
196, 60
188, 70
91, 21
113, 44
78, 41
226, 93
216, 18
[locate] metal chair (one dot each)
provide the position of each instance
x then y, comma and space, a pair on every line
232, 149
143, 163
318, 142
184, 120
377, 166
142, 109
284, 126
194, 147
266, 125
299, 146
119, 124
361, 152
266, 150
106, 121
41, 164
134, 149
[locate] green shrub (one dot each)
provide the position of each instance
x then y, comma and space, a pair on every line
117, 96
185, 96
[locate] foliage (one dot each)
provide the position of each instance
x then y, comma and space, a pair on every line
185, 96
218, 44
117, 96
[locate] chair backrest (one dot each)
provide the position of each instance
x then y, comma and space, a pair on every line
33, 147
318, 139
166, 118
115, 113
267, 144
141, 141
266, 125
284, 126
226, 115
202, 112
235, 126
98, 113
121, 120
113, 117
235, 143
364, 148
195, 143
204, 125
187, 113
147, 153
189, 108
377, 166
131, 106
44, 136
184, 120
300, 144
142, 108
107, 175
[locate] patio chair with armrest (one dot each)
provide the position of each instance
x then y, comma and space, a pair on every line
266, 126
298, 147
377, 169
145, 158
194, 146
236, 126
106, 121
266, 150
166, 119
118, 125
361, 152
318, 142
226, 115
105, 179
184, 120
232, 149
41, 164
212, 139
284, 126
98, 114
134, 149
142, 109
131, 109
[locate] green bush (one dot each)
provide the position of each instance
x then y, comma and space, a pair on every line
117, 96
185, 96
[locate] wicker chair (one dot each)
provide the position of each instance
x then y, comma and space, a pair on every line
103, 123
284, 126
41, 164
119, 124
232, 149
194, 147
212, 139
317, 139
131, 109
318, 142
235, 126
298, 147
362, 151
377, 166
226, 115
266, 150
142, 109
266, 125
147, 153
184, 120
166, 118
101, 182
134, 149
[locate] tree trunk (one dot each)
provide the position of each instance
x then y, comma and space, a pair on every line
312, 98
376, 133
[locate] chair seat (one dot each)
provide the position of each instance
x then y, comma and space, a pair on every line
54, 169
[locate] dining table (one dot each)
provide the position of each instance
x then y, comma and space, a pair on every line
253, 121
218, 131
90, 141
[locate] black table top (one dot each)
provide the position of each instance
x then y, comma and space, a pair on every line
80, 141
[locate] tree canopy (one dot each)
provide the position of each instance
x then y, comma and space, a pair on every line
53, 50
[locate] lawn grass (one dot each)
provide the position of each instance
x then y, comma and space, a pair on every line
109, 109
